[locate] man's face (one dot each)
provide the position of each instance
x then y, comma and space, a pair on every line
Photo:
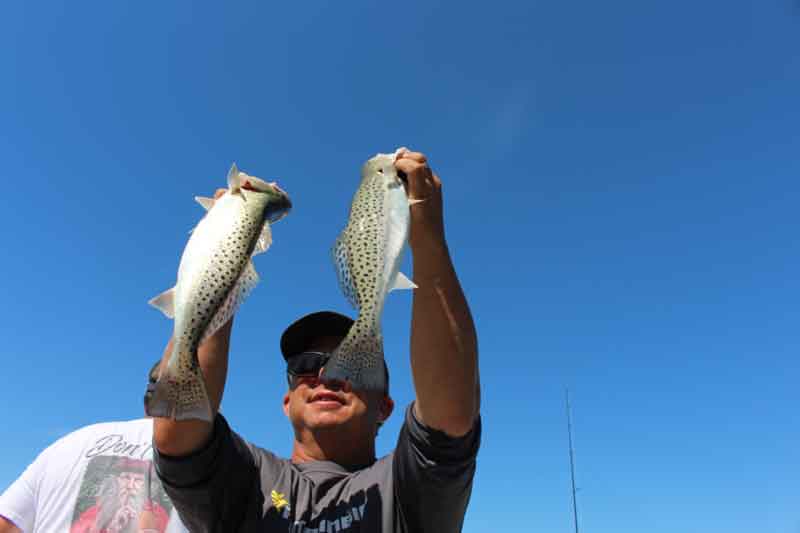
129, 484
312, 404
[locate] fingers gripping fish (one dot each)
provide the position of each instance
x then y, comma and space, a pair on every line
215, 276
367, 256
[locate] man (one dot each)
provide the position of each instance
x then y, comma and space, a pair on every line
98, 479
333, 481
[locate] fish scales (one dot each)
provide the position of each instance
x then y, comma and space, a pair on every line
207, 291
367, 256
214, 277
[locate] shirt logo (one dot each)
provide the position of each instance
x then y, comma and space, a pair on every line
279, 500
344, 519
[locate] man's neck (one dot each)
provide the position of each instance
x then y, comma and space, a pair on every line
331, 446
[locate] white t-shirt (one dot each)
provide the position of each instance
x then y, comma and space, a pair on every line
98, 479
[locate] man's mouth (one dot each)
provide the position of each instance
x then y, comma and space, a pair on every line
327, 398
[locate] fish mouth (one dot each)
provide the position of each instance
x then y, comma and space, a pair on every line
274, 185
279, 205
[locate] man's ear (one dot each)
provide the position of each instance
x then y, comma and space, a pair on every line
286, 404
386, 407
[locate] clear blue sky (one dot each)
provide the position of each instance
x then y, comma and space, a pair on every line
621, 192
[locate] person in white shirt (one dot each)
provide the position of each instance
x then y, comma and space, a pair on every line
98, 479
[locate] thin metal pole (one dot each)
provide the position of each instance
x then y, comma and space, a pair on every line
572, 464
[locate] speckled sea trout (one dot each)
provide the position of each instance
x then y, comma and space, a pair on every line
367, 256
215, 276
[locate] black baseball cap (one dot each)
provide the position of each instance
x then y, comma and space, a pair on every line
300, 333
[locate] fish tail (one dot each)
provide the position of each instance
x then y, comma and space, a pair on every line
361, 378
179, 397
359, 359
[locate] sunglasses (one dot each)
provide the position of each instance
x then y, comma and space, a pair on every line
305, 364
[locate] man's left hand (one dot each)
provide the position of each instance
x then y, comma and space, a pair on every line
424, 190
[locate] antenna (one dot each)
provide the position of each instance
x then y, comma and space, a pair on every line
572, 463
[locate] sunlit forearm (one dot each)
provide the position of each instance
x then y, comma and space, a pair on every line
444, 353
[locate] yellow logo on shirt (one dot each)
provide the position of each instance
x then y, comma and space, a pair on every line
278, 500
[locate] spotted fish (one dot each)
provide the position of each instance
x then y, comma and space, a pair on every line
215, 276
367, 256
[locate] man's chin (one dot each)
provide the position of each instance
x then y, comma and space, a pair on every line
328, 419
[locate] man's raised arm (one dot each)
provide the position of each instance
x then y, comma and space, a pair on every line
177, 438
444, 346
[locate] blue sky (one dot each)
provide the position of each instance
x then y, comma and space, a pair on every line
621, 192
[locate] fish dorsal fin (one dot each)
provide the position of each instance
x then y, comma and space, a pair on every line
165, 302
264, 240
247, 281
401, 282
234, 181
205, 202
341, 262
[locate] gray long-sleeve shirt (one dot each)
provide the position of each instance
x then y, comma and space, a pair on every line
232, 485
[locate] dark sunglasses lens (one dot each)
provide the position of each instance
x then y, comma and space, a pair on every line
306, 363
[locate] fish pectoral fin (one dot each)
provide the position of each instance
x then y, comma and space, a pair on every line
264, 240
234, 181
165, 302
247, 281
205, 202
401, 282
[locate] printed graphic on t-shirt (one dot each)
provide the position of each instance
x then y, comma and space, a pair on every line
338, 517
120, 495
